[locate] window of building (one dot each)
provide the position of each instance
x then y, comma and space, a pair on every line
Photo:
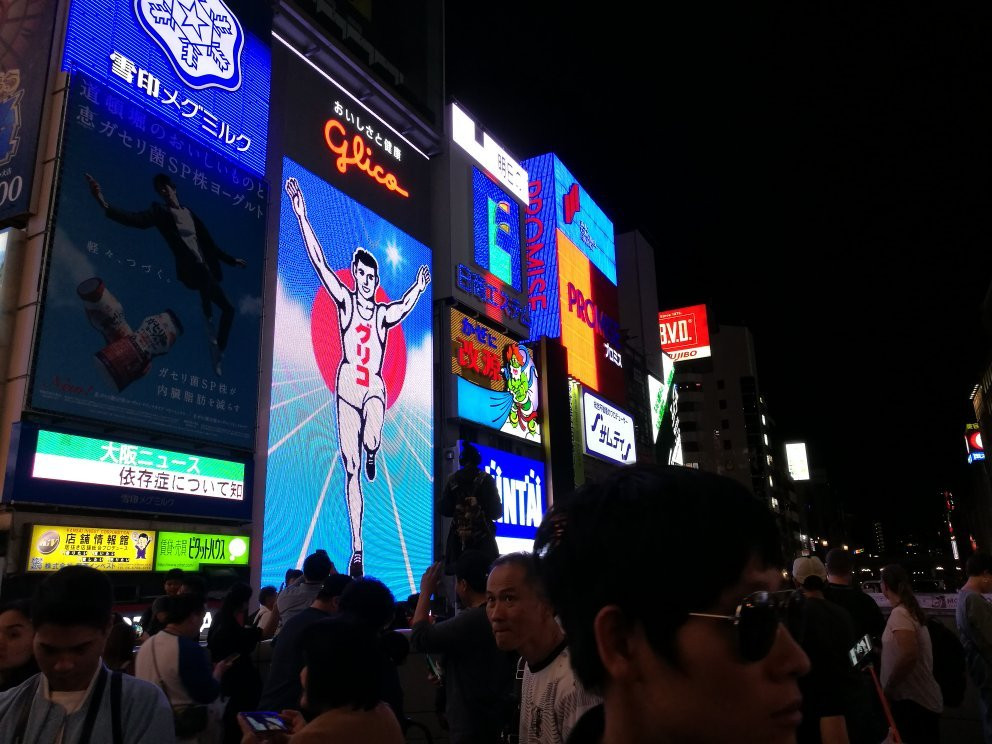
765, 437
725, 424
723, 405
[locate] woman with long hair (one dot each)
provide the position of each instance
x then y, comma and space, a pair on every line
907, 662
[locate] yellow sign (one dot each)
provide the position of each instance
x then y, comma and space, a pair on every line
53, 548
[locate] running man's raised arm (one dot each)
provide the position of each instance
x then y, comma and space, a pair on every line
396, 311
337, 290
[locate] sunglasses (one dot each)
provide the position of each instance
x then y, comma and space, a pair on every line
758, 618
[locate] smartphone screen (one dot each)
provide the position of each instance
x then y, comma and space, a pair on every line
860, 652
265, 721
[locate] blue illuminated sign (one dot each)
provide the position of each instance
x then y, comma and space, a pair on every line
541, 266
197, 68
583, 222
351, 420
975, 457
496, 220
499, 305
522, 489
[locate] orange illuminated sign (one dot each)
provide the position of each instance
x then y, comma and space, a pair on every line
355, 152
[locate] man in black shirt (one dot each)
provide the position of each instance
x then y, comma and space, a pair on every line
840, 590
282, 687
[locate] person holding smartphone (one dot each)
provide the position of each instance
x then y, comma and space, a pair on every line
341, 685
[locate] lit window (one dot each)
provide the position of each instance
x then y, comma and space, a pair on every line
765, 436
764, 421
771, 482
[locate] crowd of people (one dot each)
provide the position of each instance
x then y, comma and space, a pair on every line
562, 644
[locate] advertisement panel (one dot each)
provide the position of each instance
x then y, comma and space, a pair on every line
684, 333
190, 550
541, 238
973, 443
141, 326
496, 230
347, 145
63, 468
497, 382
27, 30
522, 489
798, 464
607, 431
659, 394
201, 67
590, 332
350, 457
52, 548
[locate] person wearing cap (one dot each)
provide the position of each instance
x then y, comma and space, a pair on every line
471, 499
828, 634
478, 677
282, 687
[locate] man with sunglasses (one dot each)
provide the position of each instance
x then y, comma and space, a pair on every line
688, 641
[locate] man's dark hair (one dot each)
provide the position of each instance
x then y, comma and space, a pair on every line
473, 566
368, 602
292, 574
181, 606
344, 665
194, 584
317, 566
363, 256
655, 515
174, 574
978, 564
265, 592
160, 181
333, 586
839, 562
143, 534
22, 606
469, 456
528, 562
75, 595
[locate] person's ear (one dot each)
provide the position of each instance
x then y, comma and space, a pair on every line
615, 642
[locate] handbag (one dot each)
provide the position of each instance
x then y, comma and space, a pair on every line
188, 720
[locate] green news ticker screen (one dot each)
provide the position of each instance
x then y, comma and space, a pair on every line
103, 462
190, 550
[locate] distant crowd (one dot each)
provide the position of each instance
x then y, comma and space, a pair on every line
600, 634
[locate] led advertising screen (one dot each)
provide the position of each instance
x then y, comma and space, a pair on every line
496, 230
607, 431
63, 468
795, 457
190, 550
201, 67
659, 394
571, 210
973, 443
497, 383
590, 331
52, 548
152, 304
346, 143
24, 55
350, 457
522, 489
684, 333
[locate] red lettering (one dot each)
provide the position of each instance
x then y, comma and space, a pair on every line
358, 155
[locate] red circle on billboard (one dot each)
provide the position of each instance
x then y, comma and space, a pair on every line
975, 441
325, 335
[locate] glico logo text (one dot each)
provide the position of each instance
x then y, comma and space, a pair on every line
594, 317
356, 152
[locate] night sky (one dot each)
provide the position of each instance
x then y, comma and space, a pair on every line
818, 173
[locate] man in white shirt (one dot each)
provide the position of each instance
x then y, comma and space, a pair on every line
552, 699
75, 697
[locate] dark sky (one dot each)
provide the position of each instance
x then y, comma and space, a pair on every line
819, 173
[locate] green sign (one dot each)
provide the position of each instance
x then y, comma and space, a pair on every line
104, 462
190, 550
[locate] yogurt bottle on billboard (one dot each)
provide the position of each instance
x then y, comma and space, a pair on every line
129, 358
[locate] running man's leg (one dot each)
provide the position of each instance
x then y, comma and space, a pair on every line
373, 413
349, 435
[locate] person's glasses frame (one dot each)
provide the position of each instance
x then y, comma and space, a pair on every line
757, 620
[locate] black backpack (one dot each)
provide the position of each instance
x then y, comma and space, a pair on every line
949, 667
